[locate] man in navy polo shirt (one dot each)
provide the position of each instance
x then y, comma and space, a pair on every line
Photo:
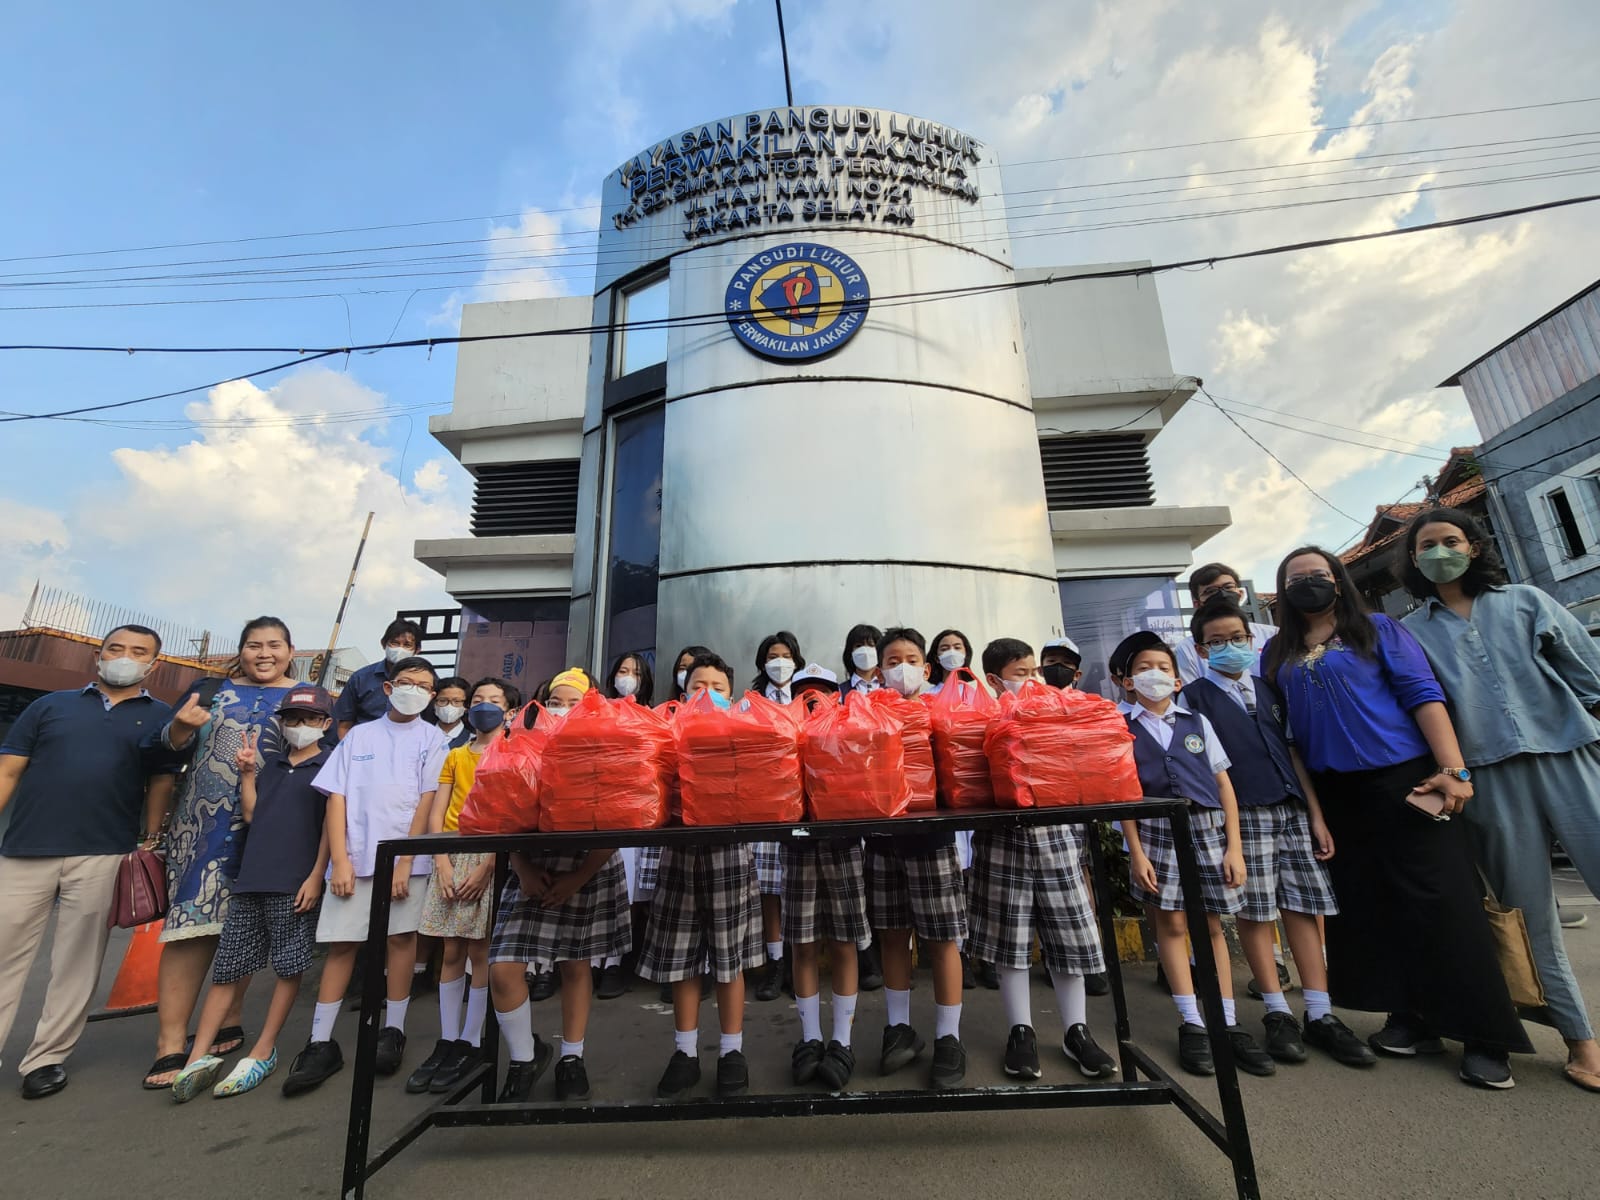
72, 773
363, 698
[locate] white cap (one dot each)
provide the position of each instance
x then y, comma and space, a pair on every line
817, 672
1062, 643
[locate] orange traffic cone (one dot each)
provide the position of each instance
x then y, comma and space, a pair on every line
135, 988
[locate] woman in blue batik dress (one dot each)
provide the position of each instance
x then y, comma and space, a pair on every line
206, 835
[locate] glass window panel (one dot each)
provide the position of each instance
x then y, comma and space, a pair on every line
633, 564
639, 348
1099, 613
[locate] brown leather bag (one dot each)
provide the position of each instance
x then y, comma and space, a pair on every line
141, 894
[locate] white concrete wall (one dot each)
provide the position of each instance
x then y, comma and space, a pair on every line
1097, 337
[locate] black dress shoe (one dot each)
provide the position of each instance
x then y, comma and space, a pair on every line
1336, 1039
422, 1078
391, 1049
44, 1081
312, 1067
1096, 984
1194, 1050
871, 969
611, 983
464, 1056
901, 1045
805, 1060
1283, 1038
769, 980
967, 981
521, 1076
1247, 1055
543, 985
987, 976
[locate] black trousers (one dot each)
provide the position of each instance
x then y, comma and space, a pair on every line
1411, 935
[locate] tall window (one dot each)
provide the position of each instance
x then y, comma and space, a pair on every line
1566, 524
633, 565
638, 348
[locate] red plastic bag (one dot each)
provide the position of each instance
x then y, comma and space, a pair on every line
913, 714
605, 767
505, 785
669, 763
961, 714
1050, 748
855, 761
738, 765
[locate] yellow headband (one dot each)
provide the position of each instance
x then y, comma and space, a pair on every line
572, 677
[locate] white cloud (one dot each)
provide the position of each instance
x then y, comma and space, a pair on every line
35, 545
1243, 341
543, 253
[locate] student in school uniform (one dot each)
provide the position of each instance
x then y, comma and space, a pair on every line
1030, 881
861, 659
1281, 832
815, 679
364, 697
914, 885
706, 906
630, 675
777, 659
1061, 663
380, 783
460, 894
560, 910
1179, 755
1214, 580
950, 650
450, 710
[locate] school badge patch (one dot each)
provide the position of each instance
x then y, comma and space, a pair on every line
797, 301
1194, 744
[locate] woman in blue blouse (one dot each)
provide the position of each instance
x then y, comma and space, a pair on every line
1411, 938
1523, 678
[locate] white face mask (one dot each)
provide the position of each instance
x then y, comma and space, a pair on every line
864, 657
393, 654
682, 678
449, 714
626, 685
780, 670
301, 736
558, 712
123, 672
408, 699
952, 660
1013, 685
1154, 684
906, 678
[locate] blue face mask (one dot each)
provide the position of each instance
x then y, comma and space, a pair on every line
719, 699
486, 718
1231, 659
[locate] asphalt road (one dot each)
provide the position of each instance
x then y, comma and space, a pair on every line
1403, 1129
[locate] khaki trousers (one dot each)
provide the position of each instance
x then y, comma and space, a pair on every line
28, 889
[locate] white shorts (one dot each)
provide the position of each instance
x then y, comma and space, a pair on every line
345, 918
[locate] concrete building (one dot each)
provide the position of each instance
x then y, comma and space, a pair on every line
1533, 397
812, 389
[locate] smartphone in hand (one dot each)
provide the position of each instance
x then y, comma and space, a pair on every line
1430, 804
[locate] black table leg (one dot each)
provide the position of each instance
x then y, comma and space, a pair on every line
373, 992
1100, 873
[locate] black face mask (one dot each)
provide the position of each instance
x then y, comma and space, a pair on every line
1311, 595
1057, 675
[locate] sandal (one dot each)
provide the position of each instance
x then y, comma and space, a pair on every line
247, 1075
229, 1038
1587, 1080
168, 1065
195, 1078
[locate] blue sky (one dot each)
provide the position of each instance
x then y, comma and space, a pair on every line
128, 126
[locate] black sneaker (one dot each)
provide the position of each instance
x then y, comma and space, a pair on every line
1336, 1039
682, 1073
769, 980
1283, 1038
1022, 1053
1093, 1063
312, 1067
901, 1045
612, 982
422, 1078
949, 1063
572, 1081
1486, 1068
391, 1049
1096, 984
733, 1076
1248, 1056
1194, 1050
805, 1060
543, 985
987, 976
1405, 1037
967, 981
871, 969
521, 1076
837, 1065
463, 1059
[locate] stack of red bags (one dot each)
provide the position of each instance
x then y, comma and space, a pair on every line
855, 761
605, 766
505, 786
1049, 748
961, 714
917, 735
738, 765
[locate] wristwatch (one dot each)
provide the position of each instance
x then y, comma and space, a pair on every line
1457, 773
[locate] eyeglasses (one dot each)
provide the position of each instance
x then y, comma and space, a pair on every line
1242, 642
1323, 576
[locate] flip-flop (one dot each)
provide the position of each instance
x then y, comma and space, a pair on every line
1587, 1080
229, 1038
167, 1064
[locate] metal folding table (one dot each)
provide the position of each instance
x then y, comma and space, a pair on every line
1228, 1132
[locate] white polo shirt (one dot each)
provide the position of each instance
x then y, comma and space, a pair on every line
382, 769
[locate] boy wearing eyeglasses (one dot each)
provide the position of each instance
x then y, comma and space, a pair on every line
1218, 581
1281, 832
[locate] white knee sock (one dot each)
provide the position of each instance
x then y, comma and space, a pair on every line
1317, 1005
1071, 1000
450, 996
946, 1020
516, 1027
1188, 1009
810, 1010
322, 1020
730, 1042
1274, 1002
571, 1049
477, 1008
775, 951
1014, 993
899, 1005
844, 1018
687, 1040
394, 1014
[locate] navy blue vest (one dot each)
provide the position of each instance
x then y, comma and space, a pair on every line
1183, 769
1262, 772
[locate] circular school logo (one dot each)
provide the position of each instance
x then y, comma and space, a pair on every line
797, 301
1194, 744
